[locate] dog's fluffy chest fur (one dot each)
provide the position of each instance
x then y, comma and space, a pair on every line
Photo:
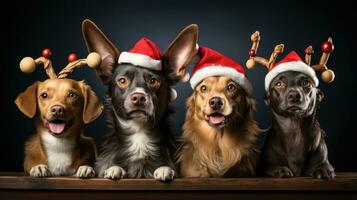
220, 151
59, 154
140, 144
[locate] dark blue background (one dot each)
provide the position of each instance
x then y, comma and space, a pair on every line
28, 27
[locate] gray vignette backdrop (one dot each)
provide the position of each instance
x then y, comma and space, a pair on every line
30, 26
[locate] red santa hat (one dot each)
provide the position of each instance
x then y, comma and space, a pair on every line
212, 63
145, 54
291, 62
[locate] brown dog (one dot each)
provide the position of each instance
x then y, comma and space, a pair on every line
60, 108
219, 150
219, 131
59, 147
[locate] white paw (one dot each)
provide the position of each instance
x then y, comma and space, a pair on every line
40, 171
114, 172
164, 173
85, 171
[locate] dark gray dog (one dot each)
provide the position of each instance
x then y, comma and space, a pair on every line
140, 143
295, 144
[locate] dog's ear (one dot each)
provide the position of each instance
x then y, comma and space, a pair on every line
319, 95
27, 101
96, 41
190, 102
180, 52
250, 103
190, 105
92, 107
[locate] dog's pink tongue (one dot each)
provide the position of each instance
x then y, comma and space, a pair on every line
56, 128
216, 119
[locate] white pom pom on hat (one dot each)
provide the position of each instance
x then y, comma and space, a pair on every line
173, 94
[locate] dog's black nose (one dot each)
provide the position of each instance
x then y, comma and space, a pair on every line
57, 110
138, 98
294, 96
216, 103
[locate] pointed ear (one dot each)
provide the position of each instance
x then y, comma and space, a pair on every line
27, 101
180, 52
96, 41
319, 95
92, 107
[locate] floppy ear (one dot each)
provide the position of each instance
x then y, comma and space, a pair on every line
190, 105
96, 41
92, 107
250, 103
180, 52
319, 95
27, 101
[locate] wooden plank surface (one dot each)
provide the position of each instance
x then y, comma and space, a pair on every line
343, 182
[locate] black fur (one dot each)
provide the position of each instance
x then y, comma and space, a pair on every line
114, 150
295, 144
140, 143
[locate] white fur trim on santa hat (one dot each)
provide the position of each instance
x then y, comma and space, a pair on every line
140, 60
221, 71
295, 66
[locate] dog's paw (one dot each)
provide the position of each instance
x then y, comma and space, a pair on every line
40, 171
283, 172
114, 172
324, 172
164, 173
85, 171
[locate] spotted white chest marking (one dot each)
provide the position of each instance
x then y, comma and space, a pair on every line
59, 154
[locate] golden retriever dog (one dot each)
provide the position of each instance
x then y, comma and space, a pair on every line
219, 131
60, 107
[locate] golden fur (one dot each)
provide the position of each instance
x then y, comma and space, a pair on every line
209, 151
83, 108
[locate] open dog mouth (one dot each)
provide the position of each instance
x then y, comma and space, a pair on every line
57, 126
216, 119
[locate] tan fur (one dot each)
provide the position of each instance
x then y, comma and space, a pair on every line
212, 152
84, 109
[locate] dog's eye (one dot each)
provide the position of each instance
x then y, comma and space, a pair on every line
44, 95
231, 87
154, 82
203, 88
279, 84
123, 82
72, 95
306, 83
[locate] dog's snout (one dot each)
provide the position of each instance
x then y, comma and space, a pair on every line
294, 96
138, 98
216, 103
57, 110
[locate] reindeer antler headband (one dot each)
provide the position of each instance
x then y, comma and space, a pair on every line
28, 64
255, 37
327, 47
